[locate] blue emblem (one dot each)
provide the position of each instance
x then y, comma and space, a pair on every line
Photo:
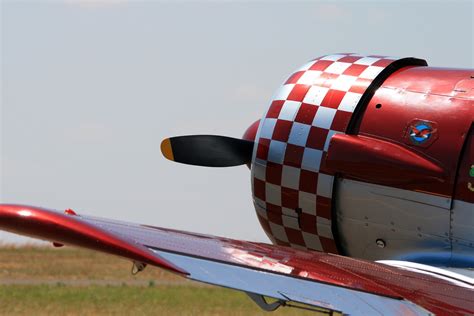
421, 132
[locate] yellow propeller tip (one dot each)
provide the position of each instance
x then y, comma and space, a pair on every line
166, 149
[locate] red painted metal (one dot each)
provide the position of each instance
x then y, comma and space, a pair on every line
69, 212
441, 96
251, 132
71, 230
465, 180
382, 162
129, 240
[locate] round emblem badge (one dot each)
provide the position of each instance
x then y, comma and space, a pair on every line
420, 133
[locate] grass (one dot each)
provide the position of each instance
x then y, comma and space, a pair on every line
121, 300
71, 281
68, 263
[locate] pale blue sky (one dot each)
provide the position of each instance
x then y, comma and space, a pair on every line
90, 88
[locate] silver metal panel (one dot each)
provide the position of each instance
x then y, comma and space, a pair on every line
462, 228
463, 222
409, 223
288, 288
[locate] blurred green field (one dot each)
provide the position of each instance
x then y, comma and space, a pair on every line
71, 281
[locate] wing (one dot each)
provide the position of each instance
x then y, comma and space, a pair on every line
317, 279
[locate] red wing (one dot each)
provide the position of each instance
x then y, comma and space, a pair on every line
319, 279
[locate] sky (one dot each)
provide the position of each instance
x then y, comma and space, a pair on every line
90, 88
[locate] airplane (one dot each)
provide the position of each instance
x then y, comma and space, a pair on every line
362, 175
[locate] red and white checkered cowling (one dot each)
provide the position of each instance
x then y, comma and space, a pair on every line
292, 189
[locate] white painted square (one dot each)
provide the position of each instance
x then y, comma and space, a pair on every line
356, 55
333, 57
290, 222
323, 227
371, 72
337, 68
268, 125
260, 162
312, 241
311, 159
324, 117
289, 110
276, 152
343, 83
288, 212
258, 171
261, 211
273, 193
328, 139
349, 102
309, 77
283, 92
307, 202
258, 202
278, 231
299, 247
367, 61
315, 95
290, 177
299, 134
325, 183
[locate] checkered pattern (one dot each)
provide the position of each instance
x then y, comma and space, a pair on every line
292, 189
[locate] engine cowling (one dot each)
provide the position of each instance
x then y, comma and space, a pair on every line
348, 123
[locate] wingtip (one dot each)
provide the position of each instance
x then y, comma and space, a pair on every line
166, 149
72, 230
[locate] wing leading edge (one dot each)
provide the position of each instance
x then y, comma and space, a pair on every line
288, 275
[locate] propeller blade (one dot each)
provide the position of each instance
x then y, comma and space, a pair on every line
208, 150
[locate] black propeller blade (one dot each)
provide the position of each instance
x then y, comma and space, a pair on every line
208, 150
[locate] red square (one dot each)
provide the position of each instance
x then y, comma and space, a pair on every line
329, 245
333, 98
323, 207
275, 217
282, 243
360, 85
323, 168
350, 59
340, 121
289, 198
273, 173
308, 223
306, 113
282, 130
298, 93
308, 181
317, 137
262, 149
355, 70
321, 65
259, 189
295, 236
272, 208
294, 77
275, 109
383, 62
293, 155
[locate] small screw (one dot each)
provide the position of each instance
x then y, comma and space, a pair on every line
380, 243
